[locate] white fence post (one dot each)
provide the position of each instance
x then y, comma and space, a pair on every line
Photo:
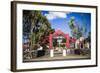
51, 53
64, 52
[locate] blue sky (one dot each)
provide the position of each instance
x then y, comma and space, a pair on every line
59, 20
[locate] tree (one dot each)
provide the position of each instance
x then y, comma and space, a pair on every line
36, 25
76, 30
26, 21
71, 23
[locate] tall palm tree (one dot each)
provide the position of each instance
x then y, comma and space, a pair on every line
71, 22
77, 31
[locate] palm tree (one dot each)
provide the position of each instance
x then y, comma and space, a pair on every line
73, 27
71, 23
76, 30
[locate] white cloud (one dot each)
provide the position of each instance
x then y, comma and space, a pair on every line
50, 16
54, 15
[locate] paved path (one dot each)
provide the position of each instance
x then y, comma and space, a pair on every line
59, 57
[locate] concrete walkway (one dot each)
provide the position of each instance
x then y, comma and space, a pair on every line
58, 57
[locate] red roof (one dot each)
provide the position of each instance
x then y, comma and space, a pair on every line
58, 32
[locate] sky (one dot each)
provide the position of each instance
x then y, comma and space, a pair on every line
60, 20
